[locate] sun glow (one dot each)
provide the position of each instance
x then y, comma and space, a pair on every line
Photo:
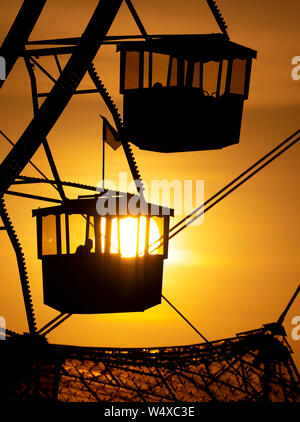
130, 234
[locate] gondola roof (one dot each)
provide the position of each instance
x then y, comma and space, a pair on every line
191, 47
87, 205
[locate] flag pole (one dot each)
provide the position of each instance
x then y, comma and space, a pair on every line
111, 136
103, 161
103, 156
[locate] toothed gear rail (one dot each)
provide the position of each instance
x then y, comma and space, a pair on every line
64, 183
218, 16
21, 266
119, 125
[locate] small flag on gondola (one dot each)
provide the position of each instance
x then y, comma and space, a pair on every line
110, 135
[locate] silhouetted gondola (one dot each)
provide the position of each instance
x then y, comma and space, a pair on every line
97, 262
184, 92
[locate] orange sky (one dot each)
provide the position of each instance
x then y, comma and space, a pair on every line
237, 270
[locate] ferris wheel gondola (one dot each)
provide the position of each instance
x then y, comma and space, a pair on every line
181, 93
184, 92
96, 261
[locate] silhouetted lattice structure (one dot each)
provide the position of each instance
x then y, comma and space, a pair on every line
254, 366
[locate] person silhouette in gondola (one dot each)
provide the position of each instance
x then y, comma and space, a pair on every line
86, 248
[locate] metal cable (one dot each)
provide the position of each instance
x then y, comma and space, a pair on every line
236, 179
235, 187
185, 319
184, 222
218, 200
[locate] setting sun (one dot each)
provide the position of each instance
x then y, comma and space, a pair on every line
132, 236
149, 207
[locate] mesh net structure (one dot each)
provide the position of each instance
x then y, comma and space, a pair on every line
252, 367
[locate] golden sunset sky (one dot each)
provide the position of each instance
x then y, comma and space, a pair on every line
239, 268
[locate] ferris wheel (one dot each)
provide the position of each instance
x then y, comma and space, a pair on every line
95, 262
